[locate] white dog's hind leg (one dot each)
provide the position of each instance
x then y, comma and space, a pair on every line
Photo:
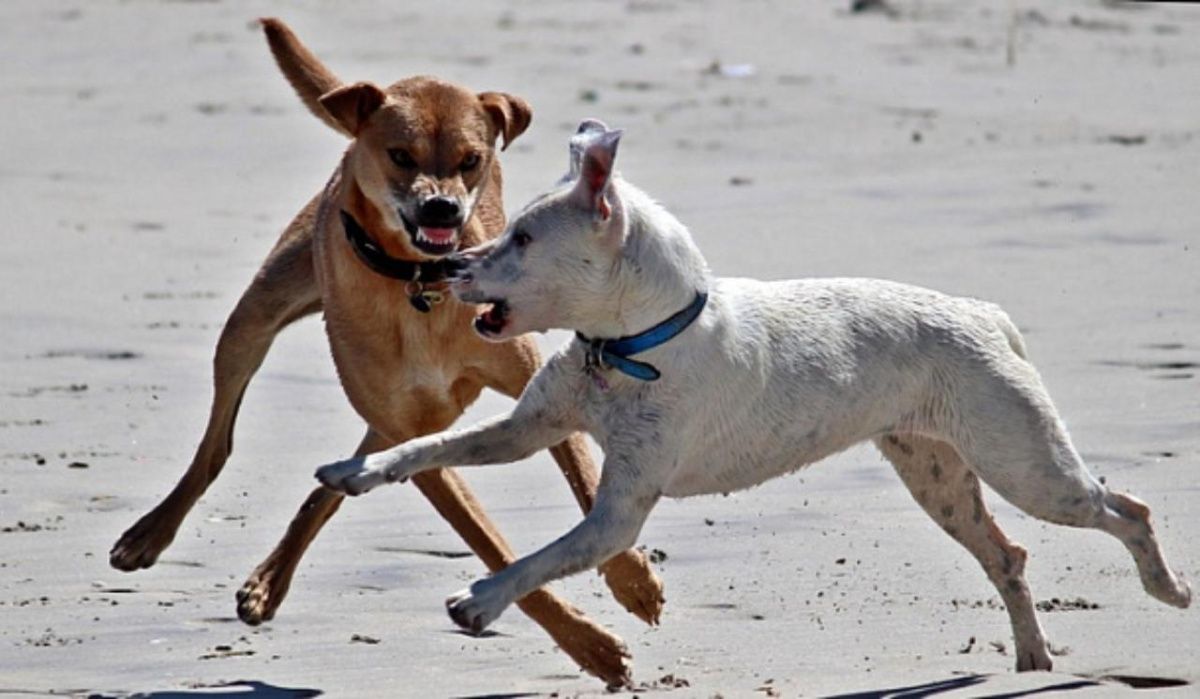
1010, 434
946, 489
1128, 519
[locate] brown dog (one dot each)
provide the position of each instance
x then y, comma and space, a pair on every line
419, 180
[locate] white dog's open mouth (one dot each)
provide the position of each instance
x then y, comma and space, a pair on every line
492, 321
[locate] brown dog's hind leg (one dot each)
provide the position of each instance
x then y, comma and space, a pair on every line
262, 593
595, 649
283, 291
628, 574
945, 488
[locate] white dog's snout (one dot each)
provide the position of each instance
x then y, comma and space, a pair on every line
467, 263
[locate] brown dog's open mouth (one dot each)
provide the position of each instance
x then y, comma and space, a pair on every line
430, 240
492, 321
436, 241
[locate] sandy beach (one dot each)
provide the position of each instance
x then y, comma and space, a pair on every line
1045, 159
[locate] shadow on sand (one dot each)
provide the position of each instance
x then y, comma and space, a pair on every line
253, 689
240, 689
929, 689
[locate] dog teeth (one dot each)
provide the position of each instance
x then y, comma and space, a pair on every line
423, 237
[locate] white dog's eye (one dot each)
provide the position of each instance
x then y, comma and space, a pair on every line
521, 238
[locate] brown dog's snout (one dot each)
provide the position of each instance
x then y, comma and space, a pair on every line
440, 212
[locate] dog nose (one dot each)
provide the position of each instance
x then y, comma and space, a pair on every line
441, 212
456, 264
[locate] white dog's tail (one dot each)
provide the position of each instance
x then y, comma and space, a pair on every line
1010, 332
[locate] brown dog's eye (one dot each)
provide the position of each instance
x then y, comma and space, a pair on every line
521, 239
402, 158
470, 162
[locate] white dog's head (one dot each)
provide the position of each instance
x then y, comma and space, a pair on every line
557, 262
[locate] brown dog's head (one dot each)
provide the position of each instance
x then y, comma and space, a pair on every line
423, 153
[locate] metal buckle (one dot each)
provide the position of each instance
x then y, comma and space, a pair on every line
421, 298
594, 359
593, 363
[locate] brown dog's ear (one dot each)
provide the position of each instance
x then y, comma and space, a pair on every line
353, 104
509, 113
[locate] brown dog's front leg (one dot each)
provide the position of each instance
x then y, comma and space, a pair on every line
265, 589
594, 648
283, 291
263, 592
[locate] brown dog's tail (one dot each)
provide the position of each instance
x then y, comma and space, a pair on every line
307, 75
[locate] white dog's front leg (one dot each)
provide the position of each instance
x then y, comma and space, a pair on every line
502, 439
544, 416
612, 526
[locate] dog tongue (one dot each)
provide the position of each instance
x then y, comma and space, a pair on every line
439, 235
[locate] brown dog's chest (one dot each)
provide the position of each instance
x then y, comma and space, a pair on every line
403, 370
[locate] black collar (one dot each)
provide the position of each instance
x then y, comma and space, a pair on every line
380, 262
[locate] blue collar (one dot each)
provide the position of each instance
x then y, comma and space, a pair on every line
603, 354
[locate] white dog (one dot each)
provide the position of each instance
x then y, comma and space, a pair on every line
737, 381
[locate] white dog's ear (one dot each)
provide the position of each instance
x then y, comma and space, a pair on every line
591, 190
588, 129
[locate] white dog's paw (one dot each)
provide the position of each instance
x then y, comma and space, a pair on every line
352, 476
473, 609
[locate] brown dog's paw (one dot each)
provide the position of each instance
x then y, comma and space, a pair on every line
598, 652
635, 585
260, 596
140, 546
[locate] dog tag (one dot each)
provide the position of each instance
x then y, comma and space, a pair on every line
420, 303
598, 380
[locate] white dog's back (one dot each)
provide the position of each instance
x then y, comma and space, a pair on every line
767, 394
